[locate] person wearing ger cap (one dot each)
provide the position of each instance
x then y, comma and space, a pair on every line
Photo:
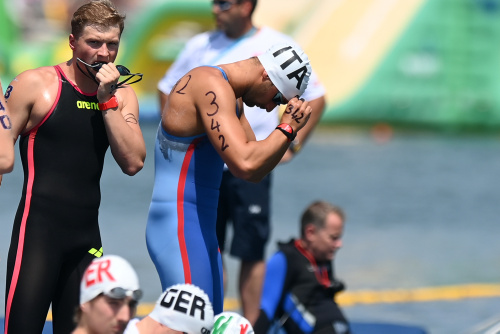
182, 308
204, 126
245, 207
109, 293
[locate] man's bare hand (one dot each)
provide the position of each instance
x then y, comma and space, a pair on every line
296, 114
107, 77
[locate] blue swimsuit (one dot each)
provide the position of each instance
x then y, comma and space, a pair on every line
180, 233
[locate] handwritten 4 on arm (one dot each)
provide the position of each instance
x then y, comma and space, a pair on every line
215, 124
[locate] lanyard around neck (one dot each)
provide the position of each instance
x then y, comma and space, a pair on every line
321, 273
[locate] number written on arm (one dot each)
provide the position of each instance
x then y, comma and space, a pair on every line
215, 124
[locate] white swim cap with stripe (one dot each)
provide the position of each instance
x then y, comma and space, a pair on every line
288, 68
111, 275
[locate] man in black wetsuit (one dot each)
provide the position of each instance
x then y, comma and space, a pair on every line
66, 116
299, 286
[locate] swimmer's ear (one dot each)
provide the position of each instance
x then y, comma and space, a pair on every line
72, 41
265, 76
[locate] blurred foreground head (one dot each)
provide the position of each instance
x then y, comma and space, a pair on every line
231, 323
184, 308
109, 293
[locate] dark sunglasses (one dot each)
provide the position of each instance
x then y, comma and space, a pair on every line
121, 293
278, 99
121, 69
223, 4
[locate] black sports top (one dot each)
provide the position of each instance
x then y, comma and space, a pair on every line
299, 294
63, 156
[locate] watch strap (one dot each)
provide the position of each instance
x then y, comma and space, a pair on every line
287, 131
111, 103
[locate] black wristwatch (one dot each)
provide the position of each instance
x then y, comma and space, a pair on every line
287, 131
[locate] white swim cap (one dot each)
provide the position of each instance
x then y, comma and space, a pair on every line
231, 323
288, 68
111, 275
185, 308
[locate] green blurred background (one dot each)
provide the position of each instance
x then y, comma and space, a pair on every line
422, 63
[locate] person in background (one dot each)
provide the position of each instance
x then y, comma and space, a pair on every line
244, 204
66, 116
109, 293
182, 308
6, 138
299, 286
203, 126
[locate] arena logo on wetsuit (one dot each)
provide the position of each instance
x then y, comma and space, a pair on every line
87, 105
97, 272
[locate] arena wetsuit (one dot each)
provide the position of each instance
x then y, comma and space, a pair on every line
180, 233
299, 294
56, 227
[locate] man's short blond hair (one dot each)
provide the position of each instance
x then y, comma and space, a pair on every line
100, 14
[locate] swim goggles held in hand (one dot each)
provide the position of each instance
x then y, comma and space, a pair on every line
122, 69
